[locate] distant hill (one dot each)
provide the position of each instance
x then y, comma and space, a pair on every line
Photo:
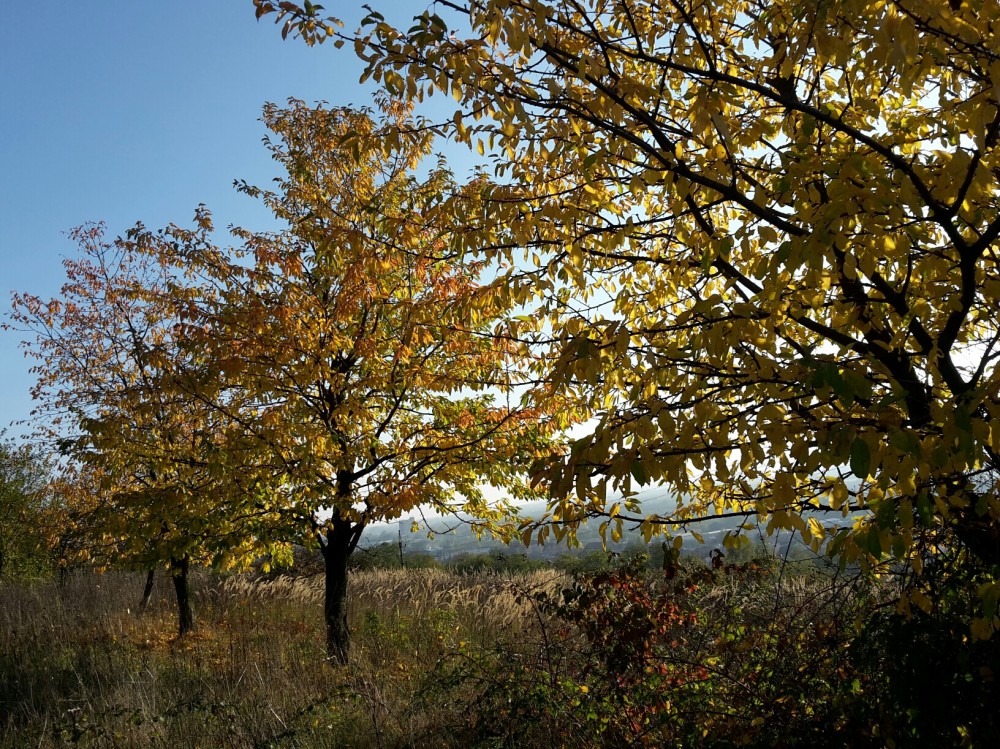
447, 537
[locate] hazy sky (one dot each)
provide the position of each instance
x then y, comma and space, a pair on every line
139, 111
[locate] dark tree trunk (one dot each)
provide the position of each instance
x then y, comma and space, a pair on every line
337, 548
981, 536
147, 591
185, 611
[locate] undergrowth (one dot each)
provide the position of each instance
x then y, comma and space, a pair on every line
752, 654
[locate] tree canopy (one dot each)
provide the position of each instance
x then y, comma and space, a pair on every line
340, 370
349, 345
764, 237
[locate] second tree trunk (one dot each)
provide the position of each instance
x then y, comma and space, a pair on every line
185, 611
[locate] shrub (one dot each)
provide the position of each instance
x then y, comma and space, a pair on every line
714, 655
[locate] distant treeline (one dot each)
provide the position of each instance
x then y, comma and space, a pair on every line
387, 555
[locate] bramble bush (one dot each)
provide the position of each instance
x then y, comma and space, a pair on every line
725, 654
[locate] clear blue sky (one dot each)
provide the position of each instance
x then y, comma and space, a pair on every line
139, 111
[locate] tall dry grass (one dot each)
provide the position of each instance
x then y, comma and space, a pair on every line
79, 666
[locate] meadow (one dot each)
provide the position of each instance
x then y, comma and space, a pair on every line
761, 653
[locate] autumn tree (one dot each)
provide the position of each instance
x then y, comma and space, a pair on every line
141, 482
348, 350
785, 216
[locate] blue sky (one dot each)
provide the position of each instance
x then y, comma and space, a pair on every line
139, 111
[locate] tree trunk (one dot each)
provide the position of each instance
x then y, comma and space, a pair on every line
185, 611
147, 592
336, 550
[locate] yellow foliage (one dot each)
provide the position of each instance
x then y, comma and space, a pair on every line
800, 237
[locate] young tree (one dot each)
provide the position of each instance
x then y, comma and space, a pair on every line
348, 350
792, 210
26, 510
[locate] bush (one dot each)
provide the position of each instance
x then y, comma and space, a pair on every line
706, 655
383, 556
26, 512
496, 560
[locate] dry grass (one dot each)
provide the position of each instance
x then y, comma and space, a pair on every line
78, 667
438, 660
496, 600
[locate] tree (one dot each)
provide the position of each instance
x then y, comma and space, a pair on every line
142, 484
785, 215
25, 512
347, 351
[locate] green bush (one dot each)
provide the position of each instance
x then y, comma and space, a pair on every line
496, 560
383, 556
26, 512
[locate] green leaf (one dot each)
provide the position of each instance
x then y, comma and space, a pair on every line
904, 441
706, 260
861, 458
638, 471
871, 542
835, 380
